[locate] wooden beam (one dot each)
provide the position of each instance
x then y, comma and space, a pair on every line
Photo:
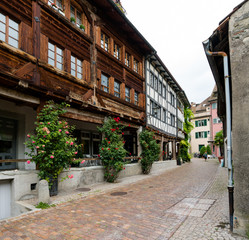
87, 95
100, 100
24, 70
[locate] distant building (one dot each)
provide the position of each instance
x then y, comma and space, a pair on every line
201, 132
206, 124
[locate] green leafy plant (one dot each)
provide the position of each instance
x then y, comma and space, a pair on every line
219, 141
72, 19
209, 152
111, 149
43, 205
203, 151
82, 27
52, 147
187, 127
150, 150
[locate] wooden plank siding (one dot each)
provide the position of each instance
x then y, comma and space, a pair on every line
29, 62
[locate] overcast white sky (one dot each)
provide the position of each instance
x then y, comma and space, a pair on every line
176, 30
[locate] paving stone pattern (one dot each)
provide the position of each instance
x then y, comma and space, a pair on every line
183, 203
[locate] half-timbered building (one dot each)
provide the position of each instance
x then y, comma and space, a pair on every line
165, 101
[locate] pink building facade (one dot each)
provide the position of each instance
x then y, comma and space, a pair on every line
215, 123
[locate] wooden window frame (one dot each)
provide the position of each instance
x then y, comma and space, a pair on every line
116, 51
128, 97
56, 56
136, 65
104, 87
77, 66
136, 98
77, 12
127, 59
105, 41
151, 79
6, 34
117, 94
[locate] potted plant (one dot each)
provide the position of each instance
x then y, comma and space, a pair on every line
53, 5
72, 19
82, 27
52, 146
219, 141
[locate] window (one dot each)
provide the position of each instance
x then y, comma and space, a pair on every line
96, 143
9, 30
160, 87
116, 89
135, 65
85, 141
105, 42
55, 56
164, 91
151, 79
127, 59
172, 120
76, 67
116, 51
127, 94
58, 3
216, 120
155, 110
214, 105
172, 99
76, 14
164, 115
155, 83
104, 83
201, 123
136, 98
179, 124
201, 134
200, 147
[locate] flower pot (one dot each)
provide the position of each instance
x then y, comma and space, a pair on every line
53, 186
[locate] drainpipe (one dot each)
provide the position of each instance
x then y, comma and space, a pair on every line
229, 128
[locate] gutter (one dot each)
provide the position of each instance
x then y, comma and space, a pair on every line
228, 124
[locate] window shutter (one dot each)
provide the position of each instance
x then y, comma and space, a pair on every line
205, 134
196, 135
196, 123
205, 122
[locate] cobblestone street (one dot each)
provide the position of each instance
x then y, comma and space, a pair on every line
188, 202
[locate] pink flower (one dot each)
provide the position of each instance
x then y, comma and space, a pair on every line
67, 132
44, 136
124, 168
42, 151
67, 142
59, 130
28, 162
43, 145
98, 155
41, 123
71, 143
83, 161
37, 147
48, 123
28, 135
71, 176
52, 156
76, 153
33, 141
130, 153
59, 122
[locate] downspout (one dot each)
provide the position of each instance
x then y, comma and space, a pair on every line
229, 127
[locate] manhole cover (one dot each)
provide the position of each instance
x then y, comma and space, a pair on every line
118, 193
83, 189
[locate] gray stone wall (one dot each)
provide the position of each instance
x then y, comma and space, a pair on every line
239, 55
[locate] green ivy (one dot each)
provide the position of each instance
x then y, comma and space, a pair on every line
111, 149
150, 150
187, 127
52, 147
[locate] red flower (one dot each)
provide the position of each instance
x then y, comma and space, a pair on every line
123, 141
116, 148
109, 142
105, 138
102, 149
130, 153
129, 125
117, 128
122, 133
124, 168
108, 148
98, 155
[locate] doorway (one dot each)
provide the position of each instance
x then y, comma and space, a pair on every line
8, 129
5, 199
